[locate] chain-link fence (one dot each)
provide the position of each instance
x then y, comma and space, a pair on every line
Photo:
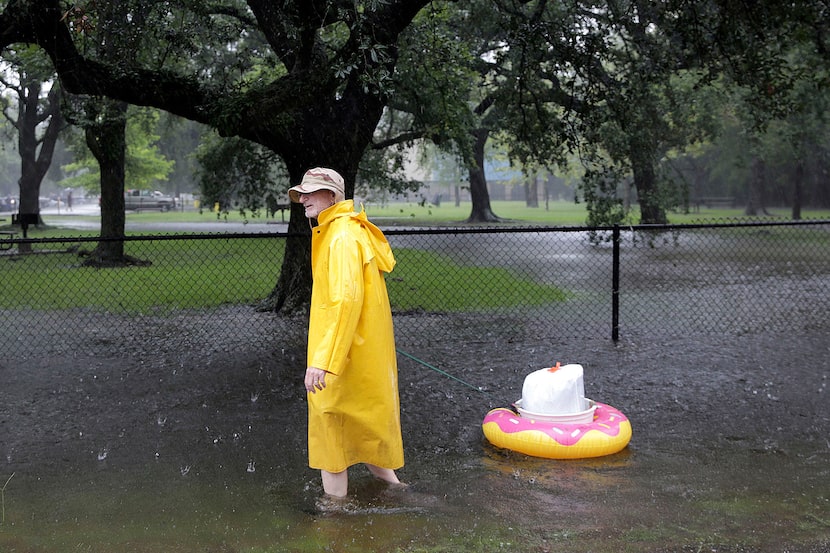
464, 284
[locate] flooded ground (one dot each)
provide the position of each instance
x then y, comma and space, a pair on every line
196, 446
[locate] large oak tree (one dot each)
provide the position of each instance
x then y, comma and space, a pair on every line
311, 87
36, 116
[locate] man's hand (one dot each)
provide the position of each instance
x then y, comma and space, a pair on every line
315, 379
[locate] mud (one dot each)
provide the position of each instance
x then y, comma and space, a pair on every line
199, 445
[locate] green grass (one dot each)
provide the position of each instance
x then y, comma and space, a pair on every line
433, 282
183, 275
189, 274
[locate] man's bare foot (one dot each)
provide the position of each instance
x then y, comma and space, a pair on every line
332, 504
387, 475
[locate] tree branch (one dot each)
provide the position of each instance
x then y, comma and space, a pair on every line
403, 138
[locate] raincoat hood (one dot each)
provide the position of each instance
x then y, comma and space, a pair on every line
376, 242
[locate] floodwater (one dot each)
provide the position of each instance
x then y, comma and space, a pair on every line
186, 433
195, 448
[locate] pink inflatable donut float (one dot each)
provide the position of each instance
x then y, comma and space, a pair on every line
609, 432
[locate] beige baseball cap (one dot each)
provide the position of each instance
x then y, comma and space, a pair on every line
319, 178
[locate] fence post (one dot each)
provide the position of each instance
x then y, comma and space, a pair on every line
615, 285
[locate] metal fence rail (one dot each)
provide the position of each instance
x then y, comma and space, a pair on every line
471, 283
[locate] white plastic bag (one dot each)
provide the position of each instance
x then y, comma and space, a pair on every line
555, 391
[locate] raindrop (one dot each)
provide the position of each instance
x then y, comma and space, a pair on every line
161, 420
184, 470
254, 397
251, 466
103, 454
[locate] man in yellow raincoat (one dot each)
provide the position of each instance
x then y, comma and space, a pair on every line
352, 374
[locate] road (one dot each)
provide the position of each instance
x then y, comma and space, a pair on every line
79, 219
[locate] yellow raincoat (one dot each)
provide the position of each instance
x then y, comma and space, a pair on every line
356, 417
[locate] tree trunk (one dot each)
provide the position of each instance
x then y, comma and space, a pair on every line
34, 163
547, 187
532, 192
645, 181
107, 142
481, 211
334, 141
292, 291
798, 187
756, 183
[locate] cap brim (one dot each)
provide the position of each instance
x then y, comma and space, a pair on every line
295, 191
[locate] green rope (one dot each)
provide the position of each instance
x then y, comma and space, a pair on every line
445, 373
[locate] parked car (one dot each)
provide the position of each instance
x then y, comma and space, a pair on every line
136, 200
9, 203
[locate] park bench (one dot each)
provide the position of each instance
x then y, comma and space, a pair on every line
282, 208
272, 206
6, 237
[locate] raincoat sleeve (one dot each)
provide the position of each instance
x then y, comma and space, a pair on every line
337, 315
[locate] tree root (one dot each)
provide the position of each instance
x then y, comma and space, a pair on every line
97, 260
